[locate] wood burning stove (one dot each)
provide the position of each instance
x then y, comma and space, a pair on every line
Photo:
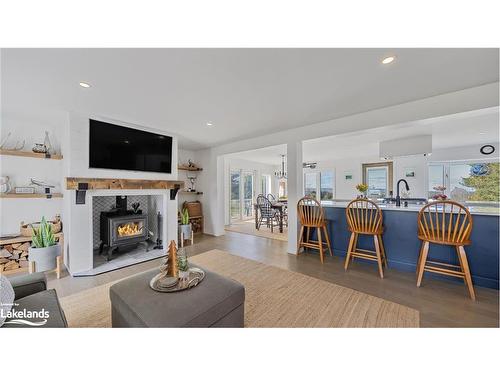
121, 227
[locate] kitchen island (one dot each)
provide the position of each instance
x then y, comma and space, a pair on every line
403, 246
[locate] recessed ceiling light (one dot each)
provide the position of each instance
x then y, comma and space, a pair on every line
209, 124
482, 133
84, 84
388, 59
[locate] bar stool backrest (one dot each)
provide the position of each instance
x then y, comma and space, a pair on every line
364, 216
310, 212
445, 222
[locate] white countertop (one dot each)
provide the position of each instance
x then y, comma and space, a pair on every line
491, 211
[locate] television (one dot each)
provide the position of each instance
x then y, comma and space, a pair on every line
118, 147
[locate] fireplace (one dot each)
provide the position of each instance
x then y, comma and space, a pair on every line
121, 227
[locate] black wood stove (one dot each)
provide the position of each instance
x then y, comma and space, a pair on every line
122, 227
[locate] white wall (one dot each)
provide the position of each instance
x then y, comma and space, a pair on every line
78, 150
345, 189
184, 156
21, 169
76, 164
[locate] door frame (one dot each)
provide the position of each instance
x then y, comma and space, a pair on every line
390, 174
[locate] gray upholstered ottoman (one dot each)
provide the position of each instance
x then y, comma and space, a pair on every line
215, 302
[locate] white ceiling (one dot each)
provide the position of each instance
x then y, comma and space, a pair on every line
464, 129
243, 92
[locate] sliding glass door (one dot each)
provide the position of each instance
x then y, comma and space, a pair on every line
247, 212
235, 206
241, 195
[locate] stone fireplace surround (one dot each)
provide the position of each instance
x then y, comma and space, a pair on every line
82, 228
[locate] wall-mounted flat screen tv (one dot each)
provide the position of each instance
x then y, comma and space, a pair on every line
118, 147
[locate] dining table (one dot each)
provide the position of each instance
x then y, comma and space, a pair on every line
279, 206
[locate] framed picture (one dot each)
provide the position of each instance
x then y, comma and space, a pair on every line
409, 172
348, 175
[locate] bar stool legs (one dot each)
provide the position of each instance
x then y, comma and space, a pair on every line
436, 267
462, 257
323, 239
378, 255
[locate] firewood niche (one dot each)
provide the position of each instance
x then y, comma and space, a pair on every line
82, 184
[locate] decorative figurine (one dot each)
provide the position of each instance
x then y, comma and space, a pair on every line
191, 164
4, 184
172, 268
47, 144
44, 185
17, 147
192, 180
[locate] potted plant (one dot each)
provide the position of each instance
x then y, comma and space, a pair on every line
183, 265
185, 224
362, 188
44, 249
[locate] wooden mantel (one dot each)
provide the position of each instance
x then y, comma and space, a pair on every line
82, 183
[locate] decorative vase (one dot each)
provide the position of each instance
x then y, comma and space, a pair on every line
186, 230
44, 257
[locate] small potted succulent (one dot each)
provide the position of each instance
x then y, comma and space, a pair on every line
440, 195
183, 265
185, 226
362, 188
44, 249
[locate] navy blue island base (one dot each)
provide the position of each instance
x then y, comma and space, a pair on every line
402, 245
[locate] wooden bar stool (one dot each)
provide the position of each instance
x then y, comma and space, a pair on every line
312, 215
365, 217
445, 223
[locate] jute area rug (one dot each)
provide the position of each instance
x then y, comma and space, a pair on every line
274, 298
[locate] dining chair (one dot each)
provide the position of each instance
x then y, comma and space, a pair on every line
271, 197
364, 217
312, 216
445, 223
267, 213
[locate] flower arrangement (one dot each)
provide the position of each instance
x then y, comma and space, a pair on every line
440, 195
362, 188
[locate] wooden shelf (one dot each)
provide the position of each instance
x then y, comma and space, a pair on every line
29, 154
191, 192
121, 183
7, 241
46, 196
186, 168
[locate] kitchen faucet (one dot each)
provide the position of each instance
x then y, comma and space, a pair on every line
398, 198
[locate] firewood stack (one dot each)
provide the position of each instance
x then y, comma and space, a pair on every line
14, 256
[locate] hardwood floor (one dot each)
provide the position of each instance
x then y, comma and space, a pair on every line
441, 303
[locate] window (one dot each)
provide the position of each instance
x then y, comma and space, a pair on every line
319, 185
470, 181
378, 177
241, 194
436, 177
265, 184
326, 185
310, 185
235, 195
